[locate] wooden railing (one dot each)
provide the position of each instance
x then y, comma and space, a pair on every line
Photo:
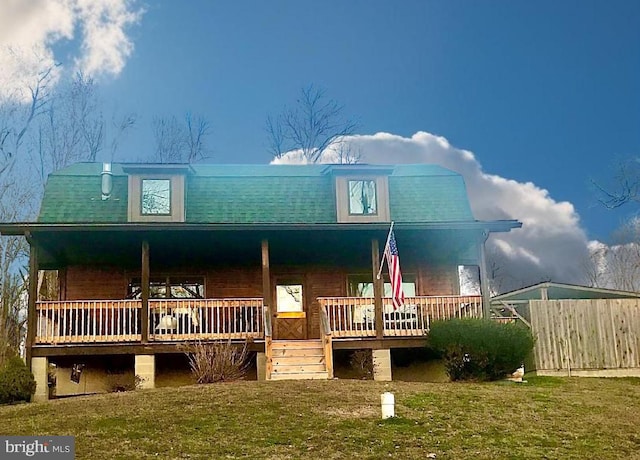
350, 316
94, 321
355, 316
268, 351
82, 321
325, 333
191, 319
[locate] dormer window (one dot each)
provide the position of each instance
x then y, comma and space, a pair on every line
156, 197
156, 192
363, 199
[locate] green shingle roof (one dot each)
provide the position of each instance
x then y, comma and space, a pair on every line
245, 194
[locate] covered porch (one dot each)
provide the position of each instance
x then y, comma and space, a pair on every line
242, 270
239, 319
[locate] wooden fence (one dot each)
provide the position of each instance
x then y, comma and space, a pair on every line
586, 337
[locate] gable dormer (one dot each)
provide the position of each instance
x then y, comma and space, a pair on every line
362, 193
156, 192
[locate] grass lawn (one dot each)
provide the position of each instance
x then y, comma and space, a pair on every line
340, 419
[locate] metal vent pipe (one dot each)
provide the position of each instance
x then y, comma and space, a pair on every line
107, 181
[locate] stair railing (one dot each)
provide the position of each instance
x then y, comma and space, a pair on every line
325, 331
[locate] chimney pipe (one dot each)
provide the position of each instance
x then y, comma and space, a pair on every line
107, 181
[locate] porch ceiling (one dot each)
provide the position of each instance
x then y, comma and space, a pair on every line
175, 248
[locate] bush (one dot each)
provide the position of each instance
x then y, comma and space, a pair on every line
217, 361
480, 349
117, 382
16, 381
362, 363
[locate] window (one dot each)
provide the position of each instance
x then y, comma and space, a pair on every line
362, 197
156, 193
469, 279
362, 286
174, 287
156, 197
289, 297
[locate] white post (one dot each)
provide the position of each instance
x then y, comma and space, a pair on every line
387, 402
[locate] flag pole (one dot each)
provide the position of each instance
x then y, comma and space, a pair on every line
385, 250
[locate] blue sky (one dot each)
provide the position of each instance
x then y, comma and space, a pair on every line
545, 92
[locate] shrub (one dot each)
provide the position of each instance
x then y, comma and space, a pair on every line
16, 381
362, 363
480, 349
217, 361
117, 382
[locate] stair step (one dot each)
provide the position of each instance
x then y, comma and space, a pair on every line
297, 353
300, 375
292, 349
298, 368
298, 360
295, 341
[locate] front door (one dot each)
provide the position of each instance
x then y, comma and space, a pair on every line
290, 318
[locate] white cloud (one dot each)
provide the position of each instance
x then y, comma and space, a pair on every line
550, 245
30, 29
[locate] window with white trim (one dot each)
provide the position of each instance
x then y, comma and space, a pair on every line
361, 199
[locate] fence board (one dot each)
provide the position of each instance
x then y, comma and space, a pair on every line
586, 334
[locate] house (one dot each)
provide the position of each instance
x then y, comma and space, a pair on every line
283, 257
579, 330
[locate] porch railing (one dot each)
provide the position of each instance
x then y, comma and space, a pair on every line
355, 316
95, 321
82, 321
194, 319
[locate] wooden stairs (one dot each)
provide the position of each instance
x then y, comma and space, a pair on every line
299, 360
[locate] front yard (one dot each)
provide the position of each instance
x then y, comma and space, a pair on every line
340, 419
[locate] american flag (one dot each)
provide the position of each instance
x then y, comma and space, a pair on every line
393, 262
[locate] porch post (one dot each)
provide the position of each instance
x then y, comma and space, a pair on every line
484, 280
144, 281
378, 286
266, 276
263, 360
33, 298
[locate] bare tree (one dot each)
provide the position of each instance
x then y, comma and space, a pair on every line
169, 139
617, 265
626, 188
53, 128
72, 128
16, 204
120, 127
313, 126
17, 118
197, 131
84, 108
178, 142
346, 154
